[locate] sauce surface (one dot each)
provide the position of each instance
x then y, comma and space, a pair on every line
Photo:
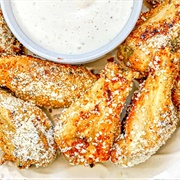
71, 26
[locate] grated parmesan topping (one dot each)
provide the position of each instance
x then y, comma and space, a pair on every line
143, 147
160, 40
9, 45
45, 83
86, 130
30, 124
160, 30
152, 118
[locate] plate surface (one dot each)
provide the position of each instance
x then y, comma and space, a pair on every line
164, 164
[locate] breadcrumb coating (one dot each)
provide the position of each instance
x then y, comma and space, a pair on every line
26, 133
86, 130
9, 45
152, 118
45, 83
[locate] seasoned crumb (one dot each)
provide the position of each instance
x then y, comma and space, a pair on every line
9, 45
155, 1
43, 82
157, 29
26, 133
87, 129
152, 117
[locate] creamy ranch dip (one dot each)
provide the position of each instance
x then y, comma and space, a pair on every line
71, 26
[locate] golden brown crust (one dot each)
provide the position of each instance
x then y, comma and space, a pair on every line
26, 134
176, 92
86, 130
43, 82
159, 30
153, 117
153, 2
9, 45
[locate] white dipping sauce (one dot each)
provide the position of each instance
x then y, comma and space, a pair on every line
72, 26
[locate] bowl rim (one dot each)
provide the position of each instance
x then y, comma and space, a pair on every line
70, 59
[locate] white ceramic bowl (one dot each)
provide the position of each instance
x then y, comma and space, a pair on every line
64, 58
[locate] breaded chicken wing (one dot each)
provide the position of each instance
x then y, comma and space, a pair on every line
43, 82
160, 29
152, 118
86, 130
26, 134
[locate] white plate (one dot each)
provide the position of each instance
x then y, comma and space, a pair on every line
164, 164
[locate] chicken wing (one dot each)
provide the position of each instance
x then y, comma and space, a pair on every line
161, 29
43, 82
152, 118
86, 130
26, 134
